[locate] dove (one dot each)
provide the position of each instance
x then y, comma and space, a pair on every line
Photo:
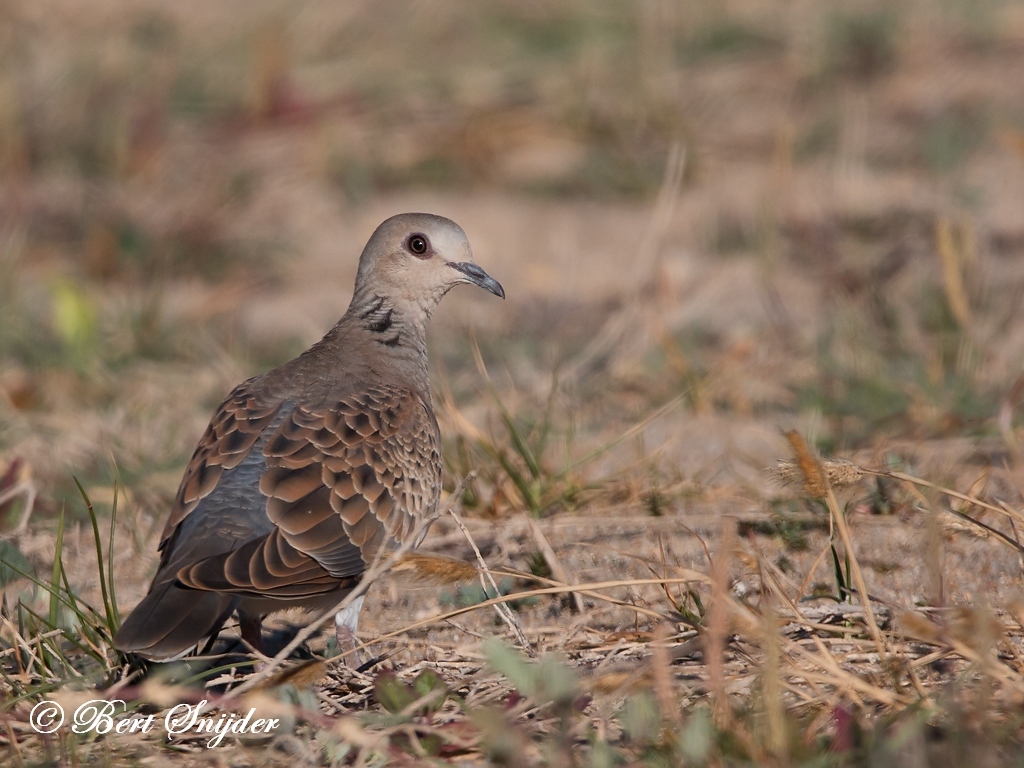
307, 471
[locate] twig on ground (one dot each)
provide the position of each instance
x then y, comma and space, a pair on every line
1005, 511
502, 609
557, 569
582, 592
559, 590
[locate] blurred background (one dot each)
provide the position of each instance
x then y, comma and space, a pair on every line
761, 213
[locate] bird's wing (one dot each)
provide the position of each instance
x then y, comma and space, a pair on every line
227, 442
340, 482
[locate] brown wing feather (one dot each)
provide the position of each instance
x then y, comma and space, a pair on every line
228, 439
341, 482
268, 567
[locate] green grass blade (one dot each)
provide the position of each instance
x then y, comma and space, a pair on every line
837, 566
70, 603
46, 650
695, 596
58, 653
115, 615
540, 445
6, 705
519, 442
520, 482
14, 688
517, 439
205, 674
58, 567
849, 593
99, 558
85, 625
49, 589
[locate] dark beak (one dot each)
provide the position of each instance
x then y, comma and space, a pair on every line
478, 277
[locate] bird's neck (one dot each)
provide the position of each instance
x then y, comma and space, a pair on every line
392, 332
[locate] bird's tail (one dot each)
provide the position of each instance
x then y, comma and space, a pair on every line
171, 620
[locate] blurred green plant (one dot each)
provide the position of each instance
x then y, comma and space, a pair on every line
521, 456
523, 461
75, 320
473, 594
791, 529
915, 368
725, 38
862, 43
949, 139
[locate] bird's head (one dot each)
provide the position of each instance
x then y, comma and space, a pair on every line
416, 258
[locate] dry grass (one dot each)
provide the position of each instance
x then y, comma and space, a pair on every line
736, 238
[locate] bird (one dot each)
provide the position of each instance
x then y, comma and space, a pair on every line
307, 471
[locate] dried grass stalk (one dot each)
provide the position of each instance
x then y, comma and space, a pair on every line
554, 563
718, 623
839, 473
952, 257
436, 568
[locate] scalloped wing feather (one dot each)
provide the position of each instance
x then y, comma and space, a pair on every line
341, 483
228, 440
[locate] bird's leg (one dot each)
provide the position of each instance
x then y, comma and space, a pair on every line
251, 627
346, 621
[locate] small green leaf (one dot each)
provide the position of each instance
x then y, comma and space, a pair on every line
432, 744
502, 743
512, 665
428, 682
640, 718
603, 756
392, 693
695, 741
557, 680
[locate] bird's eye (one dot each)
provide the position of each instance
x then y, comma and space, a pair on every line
417, 244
